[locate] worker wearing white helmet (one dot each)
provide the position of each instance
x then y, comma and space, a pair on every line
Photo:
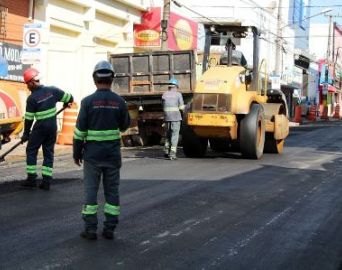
103, 115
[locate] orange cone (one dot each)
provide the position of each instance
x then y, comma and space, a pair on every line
298, 114
69, 122
312, 113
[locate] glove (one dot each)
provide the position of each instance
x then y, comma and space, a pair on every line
67, 105
25, 138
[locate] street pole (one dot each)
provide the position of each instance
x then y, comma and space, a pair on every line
164, 25
279, 42
329, 34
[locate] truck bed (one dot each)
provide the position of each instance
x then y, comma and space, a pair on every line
147, 74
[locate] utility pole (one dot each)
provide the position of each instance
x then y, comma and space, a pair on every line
331, 26
279, 40
164, 25
329, 34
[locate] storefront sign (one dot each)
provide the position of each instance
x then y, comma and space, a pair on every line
147, 34
11, 65
182, 33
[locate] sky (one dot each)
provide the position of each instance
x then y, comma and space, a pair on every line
320, 5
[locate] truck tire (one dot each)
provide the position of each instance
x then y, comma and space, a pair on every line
193, 146
252, 133
272, 145
219, 145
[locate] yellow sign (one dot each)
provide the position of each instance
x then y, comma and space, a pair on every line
183, 34
147, 35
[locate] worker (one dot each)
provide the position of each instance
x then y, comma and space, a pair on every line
41, 106
238, 58
102, 116
173, 105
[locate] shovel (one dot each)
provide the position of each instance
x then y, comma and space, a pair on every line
2, 157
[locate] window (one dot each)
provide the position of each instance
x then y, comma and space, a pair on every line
3, 18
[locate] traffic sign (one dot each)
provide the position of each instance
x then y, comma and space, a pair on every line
32, 43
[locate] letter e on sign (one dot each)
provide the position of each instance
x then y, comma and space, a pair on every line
32, 38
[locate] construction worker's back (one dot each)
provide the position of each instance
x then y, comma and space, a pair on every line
97, 140
106, 116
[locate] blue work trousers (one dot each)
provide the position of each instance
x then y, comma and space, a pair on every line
109, 173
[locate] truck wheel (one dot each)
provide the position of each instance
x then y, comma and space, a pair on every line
252, 133
272, 145
193, 146
219, 145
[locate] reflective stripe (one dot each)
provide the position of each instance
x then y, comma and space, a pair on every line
113, 210
171, 109
90, 209
46, 114
173, 149
79, 135
31, 169
66, 97
29, 116
103, 135
181, 107
46, 171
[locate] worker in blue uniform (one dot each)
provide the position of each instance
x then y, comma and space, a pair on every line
173, 104
41, 106
102, 116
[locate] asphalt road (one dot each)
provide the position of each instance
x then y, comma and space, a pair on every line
220, 212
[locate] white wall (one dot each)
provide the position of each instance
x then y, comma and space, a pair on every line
79, 33
319, 40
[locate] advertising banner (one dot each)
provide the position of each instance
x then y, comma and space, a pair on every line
147, 34
11, 67
182, 33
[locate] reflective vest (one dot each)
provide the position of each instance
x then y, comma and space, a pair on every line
172, 104
41, 106
97, 133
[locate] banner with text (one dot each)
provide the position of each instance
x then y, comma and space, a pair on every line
11, 67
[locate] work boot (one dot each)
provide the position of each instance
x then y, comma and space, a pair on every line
30, 182
108, 234
88, 235
172, 156
45, 184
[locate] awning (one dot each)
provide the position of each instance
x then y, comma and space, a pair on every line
331, 88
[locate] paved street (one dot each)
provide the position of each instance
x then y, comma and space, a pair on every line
220, 212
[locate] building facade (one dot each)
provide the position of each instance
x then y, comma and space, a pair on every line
79, 33
13, 92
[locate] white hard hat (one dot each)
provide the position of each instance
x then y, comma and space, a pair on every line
103, 69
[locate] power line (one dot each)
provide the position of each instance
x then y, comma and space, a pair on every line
267, 7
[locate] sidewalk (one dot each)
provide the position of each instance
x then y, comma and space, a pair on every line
19, 154
318, 120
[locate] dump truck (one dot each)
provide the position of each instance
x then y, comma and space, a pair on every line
232, 108
141, 79
12, 98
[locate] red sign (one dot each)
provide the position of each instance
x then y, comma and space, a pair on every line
8, 108
182, 33
147, 34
